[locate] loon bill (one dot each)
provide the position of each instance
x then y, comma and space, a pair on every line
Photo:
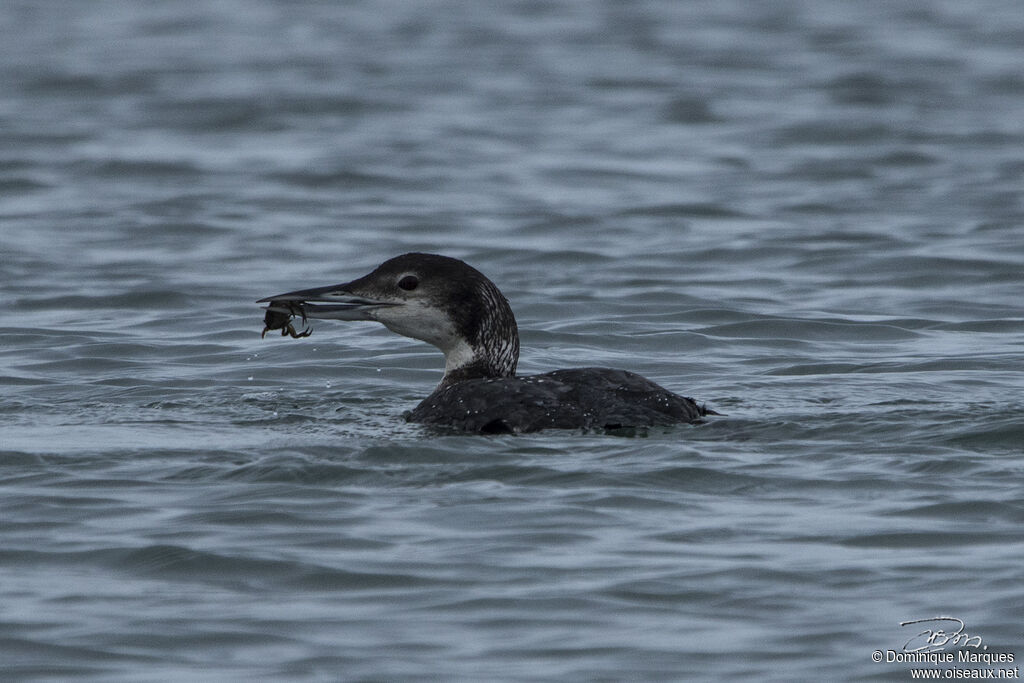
450, 304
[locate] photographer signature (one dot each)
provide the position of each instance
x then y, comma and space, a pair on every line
935, 639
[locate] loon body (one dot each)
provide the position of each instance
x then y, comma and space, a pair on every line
450, 304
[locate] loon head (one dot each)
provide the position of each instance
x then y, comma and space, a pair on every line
437, 299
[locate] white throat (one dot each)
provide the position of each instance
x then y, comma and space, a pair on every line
431, 325
459, 355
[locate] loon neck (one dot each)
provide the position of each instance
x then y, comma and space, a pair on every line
465, 362
487, 345
478, 370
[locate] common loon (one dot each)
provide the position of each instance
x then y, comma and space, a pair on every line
448, 303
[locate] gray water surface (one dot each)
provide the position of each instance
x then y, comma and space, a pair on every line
808, 215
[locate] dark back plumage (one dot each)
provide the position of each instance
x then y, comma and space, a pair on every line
578, 398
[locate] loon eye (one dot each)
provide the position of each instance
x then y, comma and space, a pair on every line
409, 283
